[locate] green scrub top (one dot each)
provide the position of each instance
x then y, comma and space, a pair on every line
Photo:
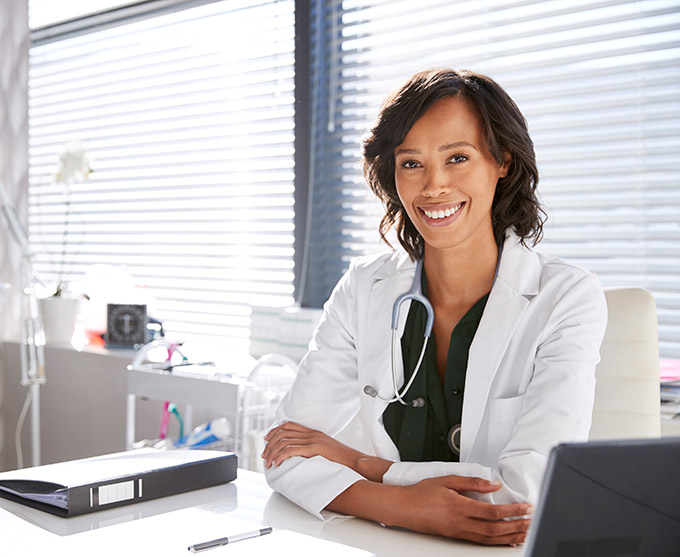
420, 434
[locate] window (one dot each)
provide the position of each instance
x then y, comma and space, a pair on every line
599, 83
187, 118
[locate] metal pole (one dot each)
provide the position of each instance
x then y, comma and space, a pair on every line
35, 425
32, 334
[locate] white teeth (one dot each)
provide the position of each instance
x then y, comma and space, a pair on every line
442, 213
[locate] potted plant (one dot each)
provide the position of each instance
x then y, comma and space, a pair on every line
60, 308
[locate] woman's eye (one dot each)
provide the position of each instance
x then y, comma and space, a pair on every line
409, 164
458, 158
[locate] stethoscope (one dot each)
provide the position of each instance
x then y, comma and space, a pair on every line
416, 294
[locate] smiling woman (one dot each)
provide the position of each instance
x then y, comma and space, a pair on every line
510, 370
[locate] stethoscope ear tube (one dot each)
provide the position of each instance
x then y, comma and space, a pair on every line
416, 294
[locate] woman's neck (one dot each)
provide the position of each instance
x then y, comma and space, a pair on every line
463, 274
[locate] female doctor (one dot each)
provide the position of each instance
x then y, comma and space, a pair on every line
461, 422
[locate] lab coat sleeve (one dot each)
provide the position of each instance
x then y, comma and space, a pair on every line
555, 407
325, 397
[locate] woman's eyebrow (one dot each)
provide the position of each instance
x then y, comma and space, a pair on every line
447, 147
407, 151
456, 145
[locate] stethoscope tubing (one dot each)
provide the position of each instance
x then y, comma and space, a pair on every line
415, 294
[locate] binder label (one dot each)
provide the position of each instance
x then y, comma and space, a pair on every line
122, 491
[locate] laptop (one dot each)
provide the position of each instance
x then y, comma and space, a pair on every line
609, 499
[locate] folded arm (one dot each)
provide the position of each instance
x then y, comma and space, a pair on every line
292, 439
432, 506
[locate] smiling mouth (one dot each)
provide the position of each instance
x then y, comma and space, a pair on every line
443, 213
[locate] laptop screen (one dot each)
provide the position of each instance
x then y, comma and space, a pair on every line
609, 498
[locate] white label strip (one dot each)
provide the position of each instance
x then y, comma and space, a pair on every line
114, 493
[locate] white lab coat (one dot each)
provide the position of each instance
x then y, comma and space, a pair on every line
529, 385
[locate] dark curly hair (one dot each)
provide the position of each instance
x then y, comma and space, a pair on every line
515, 204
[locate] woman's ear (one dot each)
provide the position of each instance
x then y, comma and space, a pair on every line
505, 167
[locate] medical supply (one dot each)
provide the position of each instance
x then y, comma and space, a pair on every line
246, 396
416, 294
215, 431
172, 409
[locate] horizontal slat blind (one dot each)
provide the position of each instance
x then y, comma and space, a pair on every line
188, 120
599, 83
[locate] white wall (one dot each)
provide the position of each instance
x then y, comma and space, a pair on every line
13, 159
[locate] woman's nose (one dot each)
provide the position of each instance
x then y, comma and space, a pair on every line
437, 182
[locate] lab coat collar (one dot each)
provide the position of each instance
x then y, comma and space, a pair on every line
397, 264
520, 268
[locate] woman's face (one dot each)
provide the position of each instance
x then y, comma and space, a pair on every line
446, 177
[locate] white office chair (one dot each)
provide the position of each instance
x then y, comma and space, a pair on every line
627, 393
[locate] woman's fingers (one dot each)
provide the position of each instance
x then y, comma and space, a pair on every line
502, 532
438, 507
470, 483
487, 511
287, 440
291, 439
287, 426
508, 539
285, 447
498, 528
479, 509
495, 524
286, 452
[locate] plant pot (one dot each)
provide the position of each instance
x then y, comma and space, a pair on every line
59, 318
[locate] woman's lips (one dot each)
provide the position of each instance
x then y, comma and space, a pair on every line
441, 216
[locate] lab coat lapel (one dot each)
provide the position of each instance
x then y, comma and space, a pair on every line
517, 282
388, 283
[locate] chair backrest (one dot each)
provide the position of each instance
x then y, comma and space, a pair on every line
627, 398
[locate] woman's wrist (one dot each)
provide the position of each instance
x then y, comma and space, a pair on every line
375, 501
372, 468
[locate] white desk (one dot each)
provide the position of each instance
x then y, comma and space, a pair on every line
167, 526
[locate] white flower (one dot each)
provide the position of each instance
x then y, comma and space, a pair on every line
74, 166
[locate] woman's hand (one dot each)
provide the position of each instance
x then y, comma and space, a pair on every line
440, 507
292, 439
437, 506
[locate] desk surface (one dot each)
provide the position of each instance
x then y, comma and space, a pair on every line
167, 526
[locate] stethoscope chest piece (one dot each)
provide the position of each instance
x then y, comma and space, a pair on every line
453, 439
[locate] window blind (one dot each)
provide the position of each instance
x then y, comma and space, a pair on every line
599, 83
187, 118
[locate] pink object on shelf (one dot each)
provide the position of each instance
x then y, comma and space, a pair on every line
669, 370
165, 420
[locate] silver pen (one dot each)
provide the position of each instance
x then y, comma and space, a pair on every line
229, 539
